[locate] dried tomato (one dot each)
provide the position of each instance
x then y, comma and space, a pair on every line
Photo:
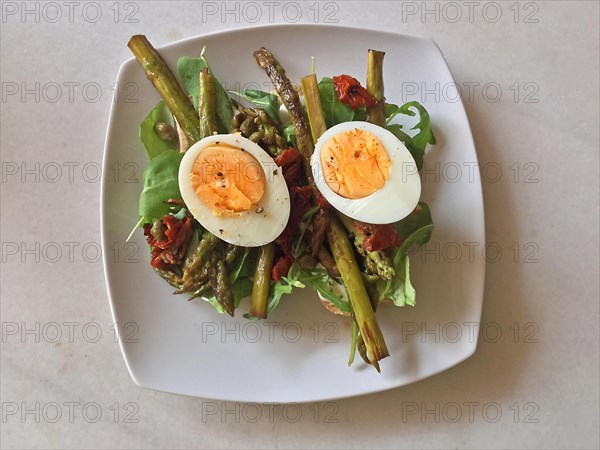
282, 267
172, 249
300, 200
290, 161
322, 202
378, 237
351, 93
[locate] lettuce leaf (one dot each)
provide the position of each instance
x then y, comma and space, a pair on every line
189, 70
334, 111
244, 262
289, 133
242, 288
360, 114
264, 100
160, 184
153, 144
403, 293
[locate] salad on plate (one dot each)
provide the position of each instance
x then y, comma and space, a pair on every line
253, 194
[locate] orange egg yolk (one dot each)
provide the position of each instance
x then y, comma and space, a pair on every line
355, 163
227, 179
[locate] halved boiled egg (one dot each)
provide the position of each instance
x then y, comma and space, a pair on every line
235, 190
365, 172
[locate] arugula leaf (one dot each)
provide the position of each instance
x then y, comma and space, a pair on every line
425, 135
334, 111
264, 100
399, 289
283, 287
189, 71
416, 152
391, 111
318, 279
160, 184
416, 229
153, 144
419, 218
419, 237
324, 284
289, 133
416, 144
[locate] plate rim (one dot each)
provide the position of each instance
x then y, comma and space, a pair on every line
104, 187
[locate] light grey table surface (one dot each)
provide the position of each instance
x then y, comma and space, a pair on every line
541, 375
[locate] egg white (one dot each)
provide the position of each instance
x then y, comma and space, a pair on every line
259, 226
396, 199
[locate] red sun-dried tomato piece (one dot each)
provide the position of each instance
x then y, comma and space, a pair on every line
378, 237
351, 93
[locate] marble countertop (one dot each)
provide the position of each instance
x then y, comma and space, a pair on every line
533, 107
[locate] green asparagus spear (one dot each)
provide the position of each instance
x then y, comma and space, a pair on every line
314, 110
377, 261
376, 113
198, 279
205, 246
167, 86
337, 238
230, 253
206, 104
291, 100
357, 293
220, 283
262, 281
170, 277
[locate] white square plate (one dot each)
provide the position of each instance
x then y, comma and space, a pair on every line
299, 354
